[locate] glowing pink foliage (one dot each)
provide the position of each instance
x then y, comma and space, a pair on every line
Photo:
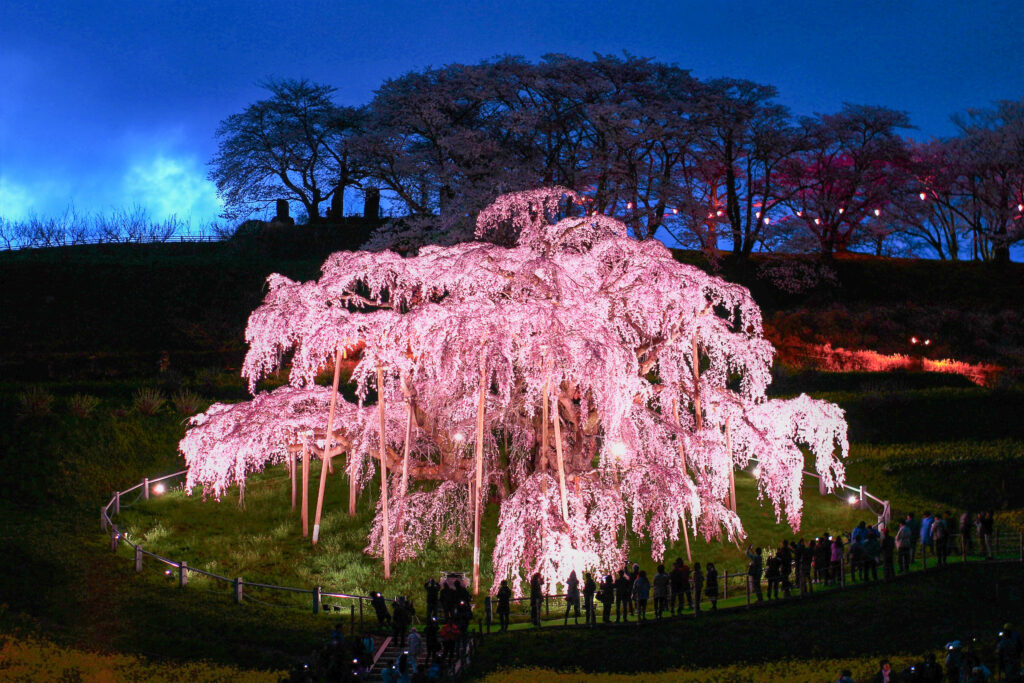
609, 327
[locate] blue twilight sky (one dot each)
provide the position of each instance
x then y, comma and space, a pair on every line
104, 105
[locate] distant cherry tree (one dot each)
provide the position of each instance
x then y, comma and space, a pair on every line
586, 381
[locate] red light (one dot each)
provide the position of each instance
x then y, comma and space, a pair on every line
629, 205
675, 210
878, 212
913, 340
923, 196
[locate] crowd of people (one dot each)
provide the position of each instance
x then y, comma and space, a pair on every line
793, 566
962, 663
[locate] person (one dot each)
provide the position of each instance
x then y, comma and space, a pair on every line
806, 560
845, 676
641, 593
712, 586
536, 597
403, 669
955, 662
447, 598
589, 589
836, 558
660, 588
380, 607
400, 621
754, 571
986, 525
369, 649
698, 587
1008, 651
966, 532
773, 575
680, 580
860, 532
915, 530
632, 574
388, 674
607, 598
415, 644
927, 542
436, 670
449, 637
432, 634
433, 589
785, 555
872, 549
904, 546
940, 537
572, 597
622, 588
888, 549
504, 605
885, 673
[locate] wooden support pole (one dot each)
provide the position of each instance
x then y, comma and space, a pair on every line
544, 420
561, 464
138, 558
145, 488
182, 574
326, 458
239, 598
405, 455
732, 468
682, 466
117, 502
291, 473
478, 488
316, 599
305, 490
695, 361
384, 475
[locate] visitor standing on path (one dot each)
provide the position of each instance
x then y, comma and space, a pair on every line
622, 590
660, 591
504, 605
680, 580
433, 589
754, 571
641, 593
698, 586
589, 589
904, 546
712, 586
572, 597
607, 598
785, 555
536, 597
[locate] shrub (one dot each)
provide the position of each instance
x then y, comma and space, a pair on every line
148, 401
187, 402
83, 405
36, 402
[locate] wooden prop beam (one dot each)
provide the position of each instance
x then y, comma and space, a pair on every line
477, 497
561, 464
682, 464
305, 491
384, 475
325, 462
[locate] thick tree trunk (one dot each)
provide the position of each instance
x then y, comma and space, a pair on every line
682, 466
561, 465
305, 490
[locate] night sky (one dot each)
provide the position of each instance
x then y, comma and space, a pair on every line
108, 104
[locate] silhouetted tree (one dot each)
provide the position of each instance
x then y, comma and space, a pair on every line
294, 145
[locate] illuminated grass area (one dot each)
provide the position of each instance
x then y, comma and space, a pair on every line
263, 541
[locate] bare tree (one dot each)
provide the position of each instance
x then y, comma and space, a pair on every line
293, 145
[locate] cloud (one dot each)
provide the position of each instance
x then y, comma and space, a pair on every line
171, 186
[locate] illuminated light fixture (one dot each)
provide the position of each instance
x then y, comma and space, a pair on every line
852, 500
800, 214
927, 342
718, 213
923, 196
913, 340
757, 215
459, 437
629, 205
767, 220
618, 449
159, 489
817, 221
756, 472
841, 209
878, 212
675, 210
1020, 207
711, 215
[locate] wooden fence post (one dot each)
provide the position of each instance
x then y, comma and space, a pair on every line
316, 597
238, 590
821, 487
138, 558
145, 488
725, 584
747, 584
114, 537
182, 574
117, 502
863, 499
